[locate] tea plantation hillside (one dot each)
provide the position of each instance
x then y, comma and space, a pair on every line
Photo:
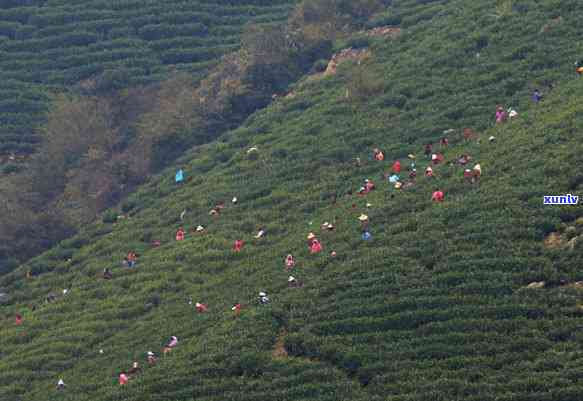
48, 45
433, 307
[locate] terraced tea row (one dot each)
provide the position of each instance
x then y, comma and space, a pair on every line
64, 44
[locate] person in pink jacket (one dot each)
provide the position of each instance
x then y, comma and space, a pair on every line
437, 196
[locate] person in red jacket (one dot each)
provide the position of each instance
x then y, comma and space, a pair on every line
290, 262
396, 167
123, 378
18, 319
237, 309
180, 234
238, 245
437, 196
316, 246
437, 158
201, 308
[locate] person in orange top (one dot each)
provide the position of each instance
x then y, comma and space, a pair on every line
397, 167
180, 234
437, 196
131, 259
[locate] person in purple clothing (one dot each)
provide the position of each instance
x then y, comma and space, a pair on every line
536, 96
501, 115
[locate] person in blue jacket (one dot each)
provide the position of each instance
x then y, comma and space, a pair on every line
179, 176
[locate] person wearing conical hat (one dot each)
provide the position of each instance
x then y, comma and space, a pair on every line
61, 384
261, 233
263, 298
478, 169
151, 358
292, 282
477, 172
363, 218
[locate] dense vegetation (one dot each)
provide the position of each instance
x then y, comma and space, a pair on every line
46, 45
105, 135
88, 87
432, 308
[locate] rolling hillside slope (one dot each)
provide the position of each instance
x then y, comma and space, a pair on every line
49, 45
433, 307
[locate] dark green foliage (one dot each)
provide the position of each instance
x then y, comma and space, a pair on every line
434, 308
109, 216
67, 43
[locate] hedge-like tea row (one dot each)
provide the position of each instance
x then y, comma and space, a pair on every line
432, 308
63, 44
